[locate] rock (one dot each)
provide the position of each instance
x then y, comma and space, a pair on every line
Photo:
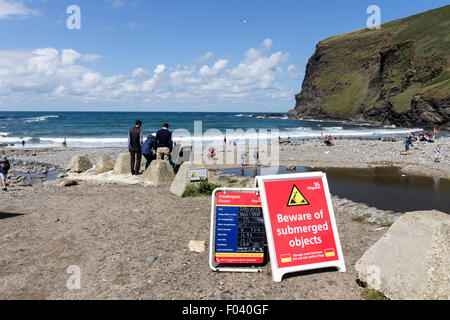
79, 164
291, 167
196, 246
11, 235
70, 183
159, 173
104, 164
411, 261
182, 178
122, 165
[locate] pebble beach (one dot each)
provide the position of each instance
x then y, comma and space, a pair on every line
131, 242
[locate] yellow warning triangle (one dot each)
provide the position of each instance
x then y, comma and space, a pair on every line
194, 175
297, 198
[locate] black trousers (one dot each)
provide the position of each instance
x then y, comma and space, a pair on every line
135, 163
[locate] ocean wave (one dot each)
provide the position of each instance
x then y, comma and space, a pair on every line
214, 137
38, 119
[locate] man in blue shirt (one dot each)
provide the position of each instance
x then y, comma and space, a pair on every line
164, 143
149, 149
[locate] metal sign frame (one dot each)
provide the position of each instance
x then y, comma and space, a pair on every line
277, 273
213, 230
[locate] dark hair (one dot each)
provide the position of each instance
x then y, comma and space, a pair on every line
138, 122
165, 125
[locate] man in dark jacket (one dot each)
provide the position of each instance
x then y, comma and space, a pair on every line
164, 143
135, 141
149, 149
4, 168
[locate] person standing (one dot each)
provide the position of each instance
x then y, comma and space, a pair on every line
4, 168
437, 157
135, 141
256, 157
164, 143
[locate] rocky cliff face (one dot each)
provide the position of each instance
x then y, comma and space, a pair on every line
397, 75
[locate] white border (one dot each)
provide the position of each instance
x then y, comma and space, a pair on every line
213, 230
191, 170
277, 274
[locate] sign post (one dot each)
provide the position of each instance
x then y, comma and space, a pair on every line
237, 229
300, 224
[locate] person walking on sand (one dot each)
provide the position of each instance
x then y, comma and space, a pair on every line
408, 142
135, 141
164, 143
437, 158
4, 168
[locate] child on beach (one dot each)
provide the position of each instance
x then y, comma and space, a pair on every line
438, 154
4, 168
408, 142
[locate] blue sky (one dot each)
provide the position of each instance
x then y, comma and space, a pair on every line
170, 55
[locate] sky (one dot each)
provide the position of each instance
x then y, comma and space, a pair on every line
170, 55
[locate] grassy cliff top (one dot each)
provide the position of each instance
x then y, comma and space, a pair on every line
420, 46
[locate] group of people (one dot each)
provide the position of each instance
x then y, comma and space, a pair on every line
328, 141
158, 146
424, 138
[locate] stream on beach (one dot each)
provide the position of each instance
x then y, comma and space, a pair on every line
381, 187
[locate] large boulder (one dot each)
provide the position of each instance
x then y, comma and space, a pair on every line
104, 164
159, 173
122, 165
79, 164
182, 179
411, 261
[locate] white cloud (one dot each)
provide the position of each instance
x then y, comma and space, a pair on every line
66, 76
267, 43
119, 3
14, 8
293, 73
207, 56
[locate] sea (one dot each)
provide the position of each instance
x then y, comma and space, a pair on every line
110, 129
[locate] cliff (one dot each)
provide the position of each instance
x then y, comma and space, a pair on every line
397, 75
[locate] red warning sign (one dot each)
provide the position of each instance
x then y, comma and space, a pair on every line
300, 225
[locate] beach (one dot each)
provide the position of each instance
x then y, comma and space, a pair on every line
131, 242
350, 153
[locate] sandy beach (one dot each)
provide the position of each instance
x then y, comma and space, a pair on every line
131, 242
